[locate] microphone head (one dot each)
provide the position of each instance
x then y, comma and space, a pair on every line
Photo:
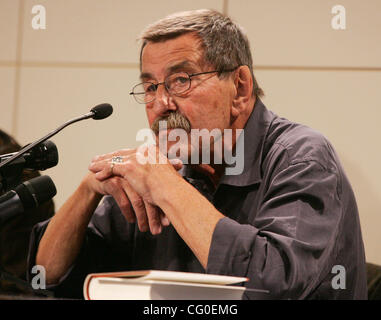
36, 191
101, 111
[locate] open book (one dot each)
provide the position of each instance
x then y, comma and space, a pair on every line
159, 285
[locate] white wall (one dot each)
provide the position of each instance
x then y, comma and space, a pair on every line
328, 79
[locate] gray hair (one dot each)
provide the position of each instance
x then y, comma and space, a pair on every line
224, 42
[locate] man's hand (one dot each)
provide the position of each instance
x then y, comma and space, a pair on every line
117, 179
154, 179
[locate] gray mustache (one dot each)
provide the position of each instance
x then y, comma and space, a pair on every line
175, 120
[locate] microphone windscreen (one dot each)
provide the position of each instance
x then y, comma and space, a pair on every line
102, 111
44, 188
36, 191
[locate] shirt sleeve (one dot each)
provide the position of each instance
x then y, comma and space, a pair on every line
287, 245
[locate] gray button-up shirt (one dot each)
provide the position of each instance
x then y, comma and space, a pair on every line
290, 219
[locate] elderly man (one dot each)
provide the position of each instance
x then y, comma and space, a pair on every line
284, 221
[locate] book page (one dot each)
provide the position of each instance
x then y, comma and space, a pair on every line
175, 276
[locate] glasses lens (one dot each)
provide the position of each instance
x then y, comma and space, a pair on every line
144, 92
178, 83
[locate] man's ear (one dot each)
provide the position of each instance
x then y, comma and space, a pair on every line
243, 83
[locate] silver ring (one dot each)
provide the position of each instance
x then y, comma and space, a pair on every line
116, 159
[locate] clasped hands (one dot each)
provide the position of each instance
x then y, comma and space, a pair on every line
137, 182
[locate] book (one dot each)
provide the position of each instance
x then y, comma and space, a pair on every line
161, 285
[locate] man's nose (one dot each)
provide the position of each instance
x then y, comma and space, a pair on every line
164, 100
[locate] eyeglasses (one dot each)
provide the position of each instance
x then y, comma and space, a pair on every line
176, 83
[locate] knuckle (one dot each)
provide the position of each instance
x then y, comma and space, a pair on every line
129, 164
153, 215
124, 204
138, 204
115, 181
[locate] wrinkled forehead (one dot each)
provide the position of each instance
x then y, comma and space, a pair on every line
174, 50
172, 67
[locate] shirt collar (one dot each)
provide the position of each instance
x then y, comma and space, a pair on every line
255, 132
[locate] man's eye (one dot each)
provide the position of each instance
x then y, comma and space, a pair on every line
151, 88
181, 80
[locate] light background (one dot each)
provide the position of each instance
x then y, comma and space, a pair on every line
328, 79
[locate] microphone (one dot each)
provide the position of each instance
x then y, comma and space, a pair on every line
27, 195
99, 112
41, 157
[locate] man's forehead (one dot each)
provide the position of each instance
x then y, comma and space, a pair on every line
172, 67
172, 55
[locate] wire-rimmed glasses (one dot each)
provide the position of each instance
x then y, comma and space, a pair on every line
176, 84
